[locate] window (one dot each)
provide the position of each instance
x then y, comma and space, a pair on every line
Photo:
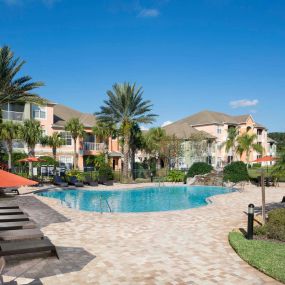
39, 112
66, 161
219, 130
66, 136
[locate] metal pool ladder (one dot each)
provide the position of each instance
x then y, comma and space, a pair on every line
108, 205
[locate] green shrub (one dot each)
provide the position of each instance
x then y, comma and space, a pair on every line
256, 165
76, 173
199, 168
236, 172
275, 226
175, 176
105, 173
142, 180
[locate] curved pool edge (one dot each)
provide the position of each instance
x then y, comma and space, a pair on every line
210, 200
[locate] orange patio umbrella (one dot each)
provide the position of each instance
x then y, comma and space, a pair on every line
31, 159
265, 159
8, 179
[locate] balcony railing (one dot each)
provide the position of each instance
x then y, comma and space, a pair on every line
18, 144
90, 146
13, 116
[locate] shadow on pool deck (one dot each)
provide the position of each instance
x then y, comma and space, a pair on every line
71, 259
40, 212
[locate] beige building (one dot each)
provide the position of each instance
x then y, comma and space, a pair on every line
213, 128
53, 118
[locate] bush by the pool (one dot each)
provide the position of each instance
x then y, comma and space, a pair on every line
199, 168
236, 172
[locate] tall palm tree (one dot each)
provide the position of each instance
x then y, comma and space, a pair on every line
8, 132
14, 89
231, 142
104, 131
76, 130
246, 144
125, 107
31, 133
54, 141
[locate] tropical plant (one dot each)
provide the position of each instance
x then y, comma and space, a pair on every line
76, 130
231, 142
31, 133
199, 168
54, 141
236, 172
104, 131
124, 108
8, 132
279, 168
105, 173
175, 176
246, 144
14, 89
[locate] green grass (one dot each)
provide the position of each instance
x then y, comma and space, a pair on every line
254, 172
266, 256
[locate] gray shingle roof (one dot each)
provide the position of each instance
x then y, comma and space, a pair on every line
63, 113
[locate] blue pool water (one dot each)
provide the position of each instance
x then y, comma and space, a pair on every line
152, 199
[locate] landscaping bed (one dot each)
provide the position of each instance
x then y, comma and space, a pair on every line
267, 256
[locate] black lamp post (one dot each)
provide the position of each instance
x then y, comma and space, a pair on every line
250, 220
151, 177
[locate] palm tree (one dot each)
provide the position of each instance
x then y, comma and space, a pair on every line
15, 89
246, 144
104, 132
231, 142
155, 142
31, 133
76, 130
279, 167
8, 132
54, 141
125, 107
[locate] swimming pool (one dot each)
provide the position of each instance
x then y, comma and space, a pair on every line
152, 199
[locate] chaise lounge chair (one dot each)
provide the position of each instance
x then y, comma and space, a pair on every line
74, 181
13, 218
11, 212
27, 246
59, 182
6, 226
3, 207
21, 234
90, 181
4, 191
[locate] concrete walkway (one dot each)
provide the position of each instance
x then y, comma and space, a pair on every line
179, 247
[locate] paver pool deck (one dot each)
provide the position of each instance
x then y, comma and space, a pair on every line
177, 247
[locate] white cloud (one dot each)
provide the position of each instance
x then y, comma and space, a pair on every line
243, 103
143, 128
166, 123
149, 13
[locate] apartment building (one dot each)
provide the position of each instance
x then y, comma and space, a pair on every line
53, 118
213, 127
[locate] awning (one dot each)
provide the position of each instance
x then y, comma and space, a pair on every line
115, 154
31, 159
265, 159
8, 179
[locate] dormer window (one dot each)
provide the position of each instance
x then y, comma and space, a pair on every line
39, 112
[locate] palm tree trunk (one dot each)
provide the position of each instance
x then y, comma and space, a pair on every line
75, 166
106, 151
10, 150
54, 158
31, 154
126, 156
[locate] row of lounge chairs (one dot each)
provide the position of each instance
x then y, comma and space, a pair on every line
19, 234
58, 181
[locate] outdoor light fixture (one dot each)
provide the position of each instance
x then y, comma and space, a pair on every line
151, 177
250, 215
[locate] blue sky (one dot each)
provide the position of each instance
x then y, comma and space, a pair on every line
222, 55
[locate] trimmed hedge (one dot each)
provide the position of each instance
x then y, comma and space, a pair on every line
275, 226
236, 172
199, 168
105, 173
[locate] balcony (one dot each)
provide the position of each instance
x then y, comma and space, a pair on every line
91, 146
12, 116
